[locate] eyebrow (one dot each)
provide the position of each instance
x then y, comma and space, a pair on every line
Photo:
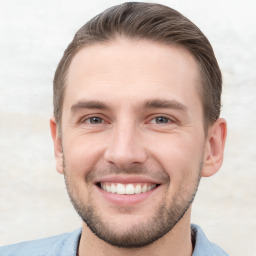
163, 103
91, 104
149, 104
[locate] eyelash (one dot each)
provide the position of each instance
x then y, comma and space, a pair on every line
88, 120
163, 118
94, 117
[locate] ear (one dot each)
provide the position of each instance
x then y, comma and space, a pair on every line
214, 147
56, 137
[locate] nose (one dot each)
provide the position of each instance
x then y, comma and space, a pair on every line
126, 146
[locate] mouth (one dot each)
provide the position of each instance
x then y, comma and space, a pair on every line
126, 189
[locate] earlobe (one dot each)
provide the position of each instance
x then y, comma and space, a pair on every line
57, 143
214, 148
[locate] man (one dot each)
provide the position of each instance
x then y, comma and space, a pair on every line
136, 125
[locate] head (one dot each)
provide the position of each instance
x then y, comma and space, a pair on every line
136, 105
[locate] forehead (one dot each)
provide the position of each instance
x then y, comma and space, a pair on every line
126, 68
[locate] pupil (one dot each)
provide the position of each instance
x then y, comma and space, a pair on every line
95, 120
161, 120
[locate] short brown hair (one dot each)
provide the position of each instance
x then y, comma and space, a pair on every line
156, 23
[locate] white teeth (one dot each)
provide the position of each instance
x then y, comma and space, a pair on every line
113, 188
144, 188
150, 187
108, 188
128, 189
120, 189
138, 189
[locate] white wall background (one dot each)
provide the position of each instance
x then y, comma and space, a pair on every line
33, 200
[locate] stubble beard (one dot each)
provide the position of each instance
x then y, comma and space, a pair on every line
163, 221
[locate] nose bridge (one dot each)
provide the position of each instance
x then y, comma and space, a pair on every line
126, 144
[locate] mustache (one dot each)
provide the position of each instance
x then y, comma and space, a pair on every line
153, 173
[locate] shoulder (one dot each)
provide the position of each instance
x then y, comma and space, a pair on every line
203, 247
64, 244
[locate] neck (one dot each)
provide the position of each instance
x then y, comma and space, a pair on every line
176, 242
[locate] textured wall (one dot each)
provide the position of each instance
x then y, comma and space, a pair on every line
33, 200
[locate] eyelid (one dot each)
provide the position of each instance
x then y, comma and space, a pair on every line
170, 119
88, 120
97, 115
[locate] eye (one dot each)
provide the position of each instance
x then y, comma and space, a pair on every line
94, 120
160, 120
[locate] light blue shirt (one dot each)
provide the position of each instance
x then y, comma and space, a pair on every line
66, 245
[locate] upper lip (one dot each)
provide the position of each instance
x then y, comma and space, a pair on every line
126, 179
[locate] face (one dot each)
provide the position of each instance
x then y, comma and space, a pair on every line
132, 138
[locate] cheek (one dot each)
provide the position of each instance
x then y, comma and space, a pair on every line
179, 156
81, 154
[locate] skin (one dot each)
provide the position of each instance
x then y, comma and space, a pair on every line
125, 77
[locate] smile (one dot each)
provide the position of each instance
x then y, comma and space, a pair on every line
127, 189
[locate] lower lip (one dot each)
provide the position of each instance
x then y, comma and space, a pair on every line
124, 200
